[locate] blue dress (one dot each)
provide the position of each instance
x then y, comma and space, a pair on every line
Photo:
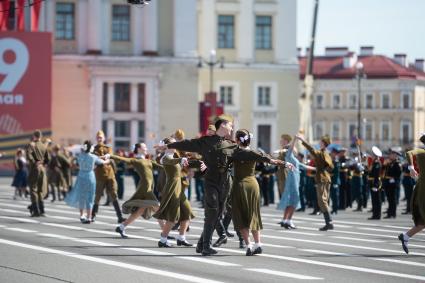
82, 194
291, 194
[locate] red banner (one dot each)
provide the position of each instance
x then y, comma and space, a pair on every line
35, 15
25, 88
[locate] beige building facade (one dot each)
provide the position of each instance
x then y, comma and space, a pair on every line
128, 70
392, 97
259, 82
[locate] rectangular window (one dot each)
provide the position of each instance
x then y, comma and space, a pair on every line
406, 101
352, 131
141, 98
120, 22
122, 97
405, 132
264, 137
369, 101
122, 134
226, 95
105, 97
385, 131
385, 101
65, 21
368, 135
352, 101
263, 32
264, 96
226, 31
318, 130
319, 101
336, 101
142, 131
105, 127
335, 131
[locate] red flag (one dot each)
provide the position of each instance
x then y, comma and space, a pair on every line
35, 15
4, 14
20, 14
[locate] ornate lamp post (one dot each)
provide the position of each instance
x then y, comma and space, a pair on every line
211, 62
359, 76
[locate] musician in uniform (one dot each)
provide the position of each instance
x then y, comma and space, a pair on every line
375, 184
343, 176
408, 184
391, 182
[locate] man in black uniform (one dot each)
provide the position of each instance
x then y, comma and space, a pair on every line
392, 182
216, 153
343, 176
374, 184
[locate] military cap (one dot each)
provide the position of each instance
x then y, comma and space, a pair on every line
326, 140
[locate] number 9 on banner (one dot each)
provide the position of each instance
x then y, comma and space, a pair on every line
13, 71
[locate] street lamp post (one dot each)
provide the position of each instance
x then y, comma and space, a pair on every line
359, 76
212, 62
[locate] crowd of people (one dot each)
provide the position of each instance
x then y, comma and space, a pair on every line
231, 181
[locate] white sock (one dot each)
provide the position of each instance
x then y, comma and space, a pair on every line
249, 246
406, 237
285, 221
163, 239
257, 245
122, 227
181, 238
291, 223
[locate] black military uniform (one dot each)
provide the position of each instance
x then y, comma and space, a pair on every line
391, 183
408, 184
375, 185
216, 152
344, 187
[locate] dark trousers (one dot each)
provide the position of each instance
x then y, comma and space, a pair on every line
302, 197
376, 203
335, 197
265, 189
408, 191
199, 188
343, 195
271, 188
391, 192
365, 196
120, 182
216, 191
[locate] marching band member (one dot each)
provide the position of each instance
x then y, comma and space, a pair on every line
374, 183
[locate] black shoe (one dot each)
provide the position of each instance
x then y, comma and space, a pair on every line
121, 232
406, 212
220, 241
229, 235
198, 248
257, 251
249, 252
334, 212
176, 226
284, 225
121, 220
374, 218
370, 211
242, 244
403, 243
208, 251
359, 209
170, 238
327, 227
388, 217
184, 243
300, 210
85, 221
291, 226
164, 245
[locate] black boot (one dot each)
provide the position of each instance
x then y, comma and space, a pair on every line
33, 208
53, 195
118, 211
41, 208
328, 220
94, 212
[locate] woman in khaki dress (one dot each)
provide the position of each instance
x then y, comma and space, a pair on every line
418, 199
143, 202
246, 192
174, 205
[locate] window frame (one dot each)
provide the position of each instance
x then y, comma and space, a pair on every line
260, 28
381, 134
118, 28
65, 21
384, 94
229, 29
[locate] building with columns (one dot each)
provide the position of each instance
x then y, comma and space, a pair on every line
129, 70
259, 82
392, 98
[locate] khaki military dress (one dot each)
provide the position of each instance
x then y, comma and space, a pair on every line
245, 191
418, 199
54, 172
174, 204
281, 173
144, 196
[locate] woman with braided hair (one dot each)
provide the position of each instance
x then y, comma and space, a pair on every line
246, 192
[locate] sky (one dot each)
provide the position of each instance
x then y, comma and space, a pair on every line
391, 26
